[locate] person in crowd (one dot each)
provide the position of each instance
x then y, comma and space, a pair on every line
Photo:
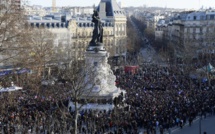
157, 99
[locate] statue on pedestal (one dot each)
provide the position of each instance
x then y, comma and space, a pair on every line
97, 37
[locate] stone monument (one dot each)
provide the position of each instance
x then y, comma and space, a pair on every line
96, 57
104, 82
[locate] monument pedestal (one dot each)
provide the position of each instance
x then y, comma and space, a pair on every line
98, 88
103, 89
97, 57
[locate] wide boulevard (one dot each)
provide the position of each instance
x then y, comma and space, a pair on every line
207, 125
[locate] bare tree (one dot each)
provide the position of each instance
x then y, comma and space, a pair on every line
207, 50
12, 32
36, 51
42, 48
209, 44
75, 82
134, 42
14, 37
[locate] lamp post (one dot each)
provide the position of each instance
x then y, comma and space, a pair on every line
168, 62
200, 124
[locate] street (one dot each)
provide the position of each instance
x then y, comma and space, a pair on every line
147, 51
207, 125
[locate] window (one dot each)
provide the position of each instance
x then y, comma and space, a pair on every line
200, 30
194, 17
79, 45
191, 30
194, 30
204, 29
74, 34
74, 45
197, 30
211, 17
185, 30
188, 30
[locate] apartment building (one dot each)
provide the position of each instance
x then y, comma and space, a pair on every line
79, 29
195, 27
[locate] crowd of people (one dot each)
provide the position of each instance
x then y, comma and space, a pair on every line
28, 111
157, 99
165, 97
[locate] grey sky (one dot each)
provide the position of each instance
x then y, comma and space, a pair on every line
194, 4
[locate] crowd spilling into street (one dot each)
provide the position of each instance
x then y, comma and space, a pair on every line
163, 98
157, 99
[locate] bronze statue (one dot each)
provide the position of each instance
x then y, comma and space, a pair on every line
97, 31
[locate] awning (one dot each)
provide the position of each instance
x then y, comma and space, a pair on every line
11, 71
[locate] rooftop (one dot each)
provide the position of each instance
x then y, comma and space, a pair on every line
112, 9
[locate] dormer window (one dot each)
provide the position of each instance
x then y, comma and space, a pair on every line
194, 17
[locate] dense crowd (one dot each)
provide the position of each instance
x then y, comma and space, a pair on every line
27, 111
163, 98
157, 99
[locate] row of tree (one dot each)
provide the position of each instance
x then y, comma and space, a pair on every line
185, 48
20, 45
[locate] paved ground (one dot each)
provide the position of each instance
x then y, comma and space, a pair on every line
207, 125
147, 52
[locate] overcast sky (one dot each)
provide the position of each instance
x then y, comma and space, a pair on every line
194, 4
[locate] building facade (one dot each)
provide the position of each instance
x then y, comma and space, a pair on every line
114, 25
75, 11
35, 10
191, 30
150, 19
197, 27
183, 29
77, 31
61, 31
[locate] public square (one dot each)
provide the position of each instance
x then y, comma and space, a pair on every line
107, 68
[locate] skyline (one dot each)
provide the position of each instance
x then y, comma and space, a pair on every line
191, 4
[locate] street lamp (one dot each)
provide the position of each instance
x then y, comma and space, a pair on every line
200, 124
